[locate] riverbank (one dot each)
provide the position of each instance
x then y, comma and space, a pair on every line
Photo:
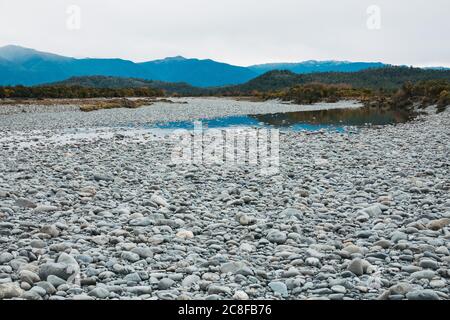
348, 216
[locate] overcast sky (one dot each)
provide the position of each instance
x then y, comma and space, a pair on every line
241, 32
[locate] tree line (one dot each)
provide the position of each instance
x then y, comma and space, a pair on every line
79, 92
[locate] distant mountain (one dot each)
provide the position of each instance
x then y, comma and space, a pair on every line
25, 66
388, 78
313, 66
30, 67
200, 73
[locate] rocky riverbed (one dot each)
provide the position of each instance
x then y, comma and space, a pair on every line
361, 215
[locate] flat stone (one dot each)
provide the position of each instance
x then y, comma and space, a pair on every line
190, 280
45, 209
279, 287
159, 200
5, 257
424, 274
240, 295
10, 290
437, 225
276, 236
130, 256
29, 277
25, 203
422, 295
216, 289
100, 293
165, 284
356, 267
401, 288
185, 234
429, 264
51, 230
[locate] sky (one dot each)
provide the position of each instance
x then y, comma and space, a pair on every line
239, 32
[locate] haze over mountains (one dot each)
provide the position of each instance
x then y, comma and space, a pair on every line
25, 66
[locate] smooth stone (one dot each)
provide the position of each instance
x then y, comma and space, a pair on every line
82, 297
29, 277
66, 267
6, 257
373, 211
165, 284
279, 287
103, 177
10, 290
190, 280
55, 281
429, 264
159, 200
439, 224
130, 256
277, 236
47, 286
185, 234
39, 290
25, 203
356, 267
401, 288
45, 209
31, 295
352, 249
385, 244
143, 252
240, 295
338, 289
216, 289
51, 230
424, 274
234, 267
100, 293
39, 244
422, 295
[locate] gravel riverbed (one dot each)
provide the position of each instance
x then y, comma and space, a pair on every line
183, 109
361, 215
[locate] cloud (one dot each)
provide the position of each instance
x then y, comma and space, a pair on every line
240, 32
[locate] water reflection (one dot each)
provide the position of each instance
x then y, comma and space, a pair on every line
334, 119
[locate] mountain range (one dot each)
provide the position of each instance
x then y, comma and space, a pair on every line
23, 66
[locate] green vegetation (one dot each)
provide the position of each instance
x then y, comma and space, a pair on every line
169, 88
380, 87
57, 92
318, 92
115, 103
422, 94
380, 79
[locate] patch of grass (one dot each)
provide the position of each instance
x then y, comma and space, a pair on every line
115, 103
